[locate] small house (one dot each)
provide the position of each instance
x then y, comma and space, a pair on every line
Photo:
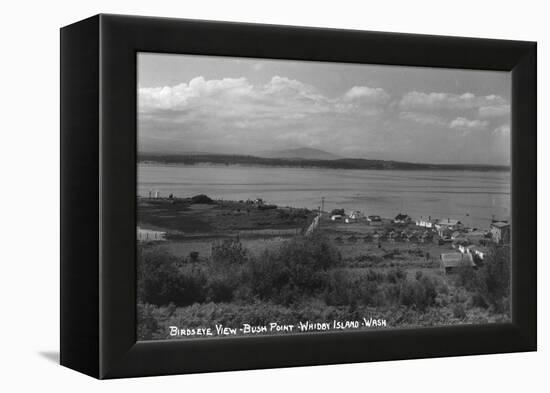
459, 241
451, 262
479, 252
402, 219
456, 235
445, 233
465, 248
426, 223
500, 232
476, 236
449, 224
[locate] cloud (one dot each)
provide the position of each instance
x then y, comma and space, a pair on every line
281, 96
503, 130
374, 95
206, 115
234, 115
184, 94
461, 123
362, 99
423, 118
416, 100
494, 111
282, 88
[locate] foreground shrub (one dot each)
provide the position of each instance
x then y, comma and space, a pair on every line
147, 322
298, 268
377, 289
459, 311
419, 293
493, 279
161, 281
346, 288
490, 284
228, 253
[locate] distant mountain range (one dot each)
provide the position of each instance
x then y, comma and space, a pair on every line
303, 158
302, 153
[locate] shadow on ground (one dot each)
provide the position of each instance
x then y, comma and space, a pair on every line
52, 356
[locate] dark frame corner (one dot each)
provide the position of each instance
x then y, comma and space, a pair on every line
98, 180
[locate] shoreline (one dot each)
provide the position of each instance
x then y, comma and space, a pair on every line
413, 167
239, 205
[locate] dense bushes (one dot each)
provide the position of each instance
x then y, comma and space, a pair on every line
379, 289
201, 199
493, 279
490, 284
148, 322
228, 254
161, 281
420, 293
300, 269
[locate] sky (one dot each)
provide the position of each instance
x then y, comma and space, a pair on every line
243, 106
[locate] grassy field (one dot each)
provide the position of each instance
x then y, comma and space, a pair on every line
186, 217
232, 263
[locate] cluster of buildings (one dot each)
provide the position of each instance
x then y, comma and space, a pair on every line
470, 245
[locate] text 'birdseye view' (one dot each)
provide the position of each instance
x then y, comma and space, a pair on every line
289, 197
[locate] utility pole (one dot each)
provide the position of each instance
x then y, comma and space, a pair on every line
322, 205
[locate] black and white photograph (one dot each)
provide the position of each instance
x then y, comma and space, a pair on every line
275, 197
288, 197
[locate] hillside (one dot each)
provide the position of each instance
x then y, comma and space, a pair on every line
342, 163
303, 153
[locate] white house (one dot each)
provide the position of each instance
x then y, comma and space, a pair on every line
480, 252
450, 224
426, 223
465, 249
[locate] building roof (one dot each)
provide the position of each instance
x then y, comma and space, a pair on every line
500, 224
480, 249
475, 234
455, 259
449, 222
432, 220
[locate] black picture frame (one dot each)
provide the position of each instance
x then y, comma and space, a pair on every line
98, 195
